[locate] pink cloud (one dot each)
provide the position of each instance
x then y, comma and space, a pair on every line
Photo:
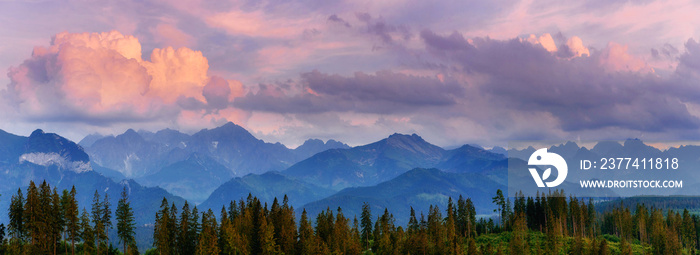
258, 24
167, 34
101, 78
615, 58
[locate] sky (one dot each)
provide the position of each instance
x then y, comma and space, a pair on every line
454, 72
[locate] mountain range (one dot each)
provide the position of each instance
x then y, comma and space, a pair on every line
213, 167
192, 166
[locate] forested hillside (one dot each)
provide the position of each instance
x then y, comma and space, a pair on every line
44, 221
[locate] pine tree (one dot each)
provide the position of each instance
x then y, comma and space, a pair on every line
518, 243
306, 242
450, 245
500, 202
185, 239
16, 213
161, 233
366, 223
44, 219
31, 211
98, 225
72, 218
125, 221
106, 219
87, 233
208, 241
58, 220
267, 238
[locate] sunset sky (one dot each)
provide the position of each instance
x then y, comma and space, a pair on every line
454, 72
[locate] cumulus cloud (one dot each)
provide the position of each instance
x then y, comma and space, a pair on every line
101, 78
545, 40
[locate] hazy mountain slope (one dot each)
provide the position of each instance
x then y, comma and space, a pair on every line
368, 164
194, 178
266, 187
418, 188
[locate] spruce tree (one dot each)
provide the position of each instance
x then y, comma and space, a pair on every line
87, 233
31, 209
16, 213
208, 241
366, 223
72, 218
106, 218
306, 242
98, 225
185, 242
125, 221
161, 233
58, 220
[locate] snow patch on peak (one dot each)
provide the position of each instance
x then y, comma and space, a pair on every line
52, 158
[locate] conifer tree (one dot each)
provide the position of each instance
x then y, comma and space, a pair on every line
106, 218
518, 243
16, 215
31, 211
44, 219
58, 220
208, 241
366, 223
306, 242
87, 233
267, 238
185, 239
161, 233
98, 225
72, 218
125, 221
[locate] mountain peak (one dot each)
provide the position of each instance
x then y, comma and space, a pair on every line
404, 137
130, 134
402, 140
41, 142
37, 132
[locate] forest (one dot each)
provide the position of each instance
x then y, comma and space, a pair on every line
44, 221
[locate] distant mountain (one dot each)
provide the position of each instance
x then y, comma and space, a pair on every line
313, 146
418, 188
383, 160
265, 187
192, 166
90, 139
128, 153
194, 178
142, 153
62, 164
9, 147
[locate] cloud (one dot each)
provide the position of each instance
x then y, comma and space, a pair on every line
545, 40
170, 35
101, 79
336, 19
387, 33
607, 88
382, 92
